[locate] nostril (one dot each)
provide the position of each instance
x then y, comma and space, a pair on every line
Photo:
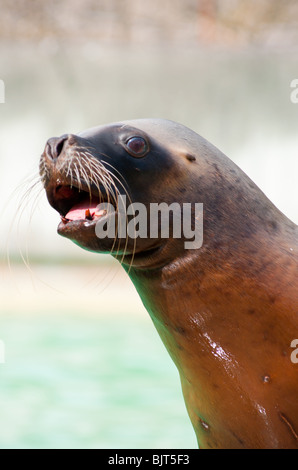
59, 146
55, 145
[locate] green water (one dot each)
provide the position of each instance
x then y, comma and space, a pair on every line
71, 381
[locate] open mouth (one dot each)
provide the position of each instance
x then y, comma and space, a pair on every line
77, 205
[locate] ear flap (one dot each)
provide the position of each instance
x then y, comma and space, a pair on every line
184, 153
190, 157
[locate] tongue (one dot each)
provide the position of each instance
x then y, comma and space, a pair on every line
78, 211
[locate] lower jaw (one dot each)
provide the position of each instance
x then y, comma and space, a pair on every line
127, 251
74, 226
82, 232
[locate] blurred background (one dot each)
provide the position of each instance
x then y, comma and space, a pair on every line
84, 366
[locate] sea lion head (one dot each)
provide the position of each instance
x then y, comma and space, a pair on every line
86, 177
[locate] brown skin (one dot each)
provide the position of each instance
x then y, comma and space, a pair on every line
227, 312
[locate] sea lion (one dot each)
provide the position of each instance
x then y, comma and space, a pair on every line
227, 311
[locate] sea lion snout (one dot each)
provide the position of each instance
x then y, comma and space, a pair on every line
54, 146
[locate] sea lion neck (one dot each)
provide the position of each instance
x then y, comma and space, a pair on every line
211, 311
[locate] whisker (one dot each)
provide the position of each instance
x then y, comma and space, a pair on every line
111, 179
22, 207
130, 202
86, 179
108, 181
98, 175
78, 177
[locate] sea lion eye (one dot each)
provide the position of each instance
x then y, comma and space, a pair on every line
137, 146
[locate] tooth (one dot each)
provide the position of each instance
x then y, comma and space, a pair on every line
88, 214
64, 219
